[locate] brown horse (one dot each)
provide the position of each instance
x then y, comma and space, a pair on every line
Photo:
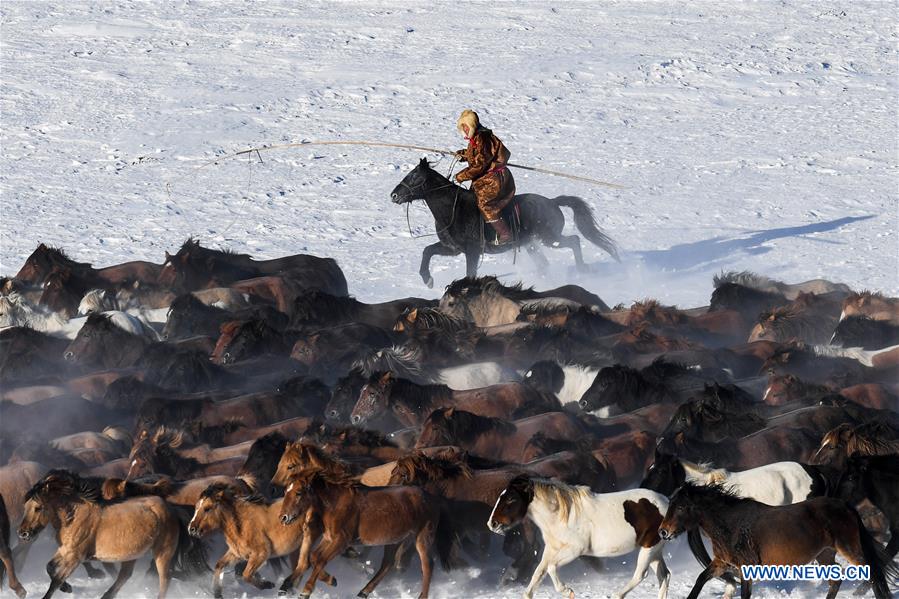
44, 259
494, 438
195, 267
252, 531
747, 532
162, 452
303, 455
848, 440
785, 388
809, 319
873, 305
6, 554
411, 403
790, 291
353, 514
89, 528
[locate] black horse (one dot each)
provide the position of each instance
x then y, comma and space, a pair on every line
460, 228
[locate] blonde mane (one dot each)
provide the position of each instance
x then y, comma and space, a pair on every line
565, 497
713, 475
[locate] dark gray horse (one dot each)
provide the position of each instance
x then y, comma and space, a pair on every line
460, 229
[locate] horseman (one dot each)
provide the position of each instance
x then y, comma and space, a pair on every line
490, 178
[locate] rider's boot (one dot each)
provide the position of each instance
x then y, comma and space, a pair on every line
503, 234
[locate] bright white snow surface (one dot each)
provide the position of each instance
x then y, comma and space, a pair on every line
754, 136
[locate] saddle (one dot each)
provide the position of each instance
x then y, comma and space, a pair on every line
511, 215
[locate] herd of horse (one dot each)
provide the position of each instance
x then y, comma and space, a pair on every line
158, 409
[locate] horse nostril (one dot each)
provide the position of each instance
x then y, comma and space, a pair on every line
69, 355
284, 519
356, 419
394, 196
583, 404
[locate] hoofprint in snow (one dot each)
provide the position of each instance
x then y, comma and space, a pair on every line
749, 136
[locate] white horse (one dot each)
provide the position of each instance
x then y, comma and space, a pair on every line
574, 521
16, 312
886, 357
97, 300
780, 483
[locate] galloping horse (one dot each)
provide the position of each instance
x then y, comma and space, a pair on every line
460, 229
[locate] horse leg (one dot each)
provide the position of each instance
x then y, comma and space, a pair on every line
251, 576
746, 589
713, 570
386, 562
93, 571
660, 568
572, 242
537, 256
326, 551
435, 249
125, 571
553, 571
539, 572
59, 568
423, 543
14, 584
218, 574
644, 557
472, 256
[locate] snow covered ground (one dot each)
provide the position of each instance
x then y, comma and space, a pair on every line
755, 136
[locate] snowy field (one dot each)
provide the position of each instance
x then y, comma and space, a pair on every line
756, 136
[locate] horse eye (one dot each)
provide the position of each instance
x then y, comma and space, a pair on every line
291, 467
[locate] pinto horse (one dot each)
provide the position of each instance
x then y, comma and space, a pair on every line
747, 532
575, 522
460, 227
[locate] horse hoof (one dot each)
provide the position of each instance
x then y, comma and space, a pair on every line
570, 594
21, 592
429, 282
266, 585
362, 594
332, 582
65, 587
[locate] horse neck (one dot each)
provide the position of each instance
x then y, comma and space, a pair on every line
420, 397
442, 201
174, 463
78, 516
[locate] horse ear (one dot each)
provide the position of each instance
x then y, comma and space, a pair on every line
168, 256
413, 315
386, 377
449, 413
423, 162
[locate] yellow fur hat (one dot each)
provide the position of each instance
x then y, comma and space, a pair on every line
470, 118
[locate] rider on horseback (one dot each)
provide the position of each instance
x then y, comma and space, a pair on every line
490, 178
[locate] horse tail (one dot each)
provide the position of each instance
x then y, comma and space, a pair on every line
877, 559
694, 540
446, 539
586, 224
191, 555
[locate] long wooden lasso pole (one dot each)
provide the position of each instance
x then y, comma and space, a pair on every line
409, 147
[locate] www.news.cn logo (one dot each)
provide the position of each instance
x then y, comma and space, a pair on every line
806, 572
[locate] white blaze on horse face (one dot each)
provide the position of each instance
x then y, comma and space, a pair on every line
767, 393
196, 512
842, 315
288, 489
490, 524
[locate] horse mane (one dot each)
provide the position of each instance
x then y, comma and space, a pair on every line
66, 485
305, 450
192, 247
405, 360
867, 294
744, 278
565, 497
434, 318
867, 439
715, 492
432, 468
650, 310
716, 475
349, 435
489, 284
466, 426
421, 399
58, 257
